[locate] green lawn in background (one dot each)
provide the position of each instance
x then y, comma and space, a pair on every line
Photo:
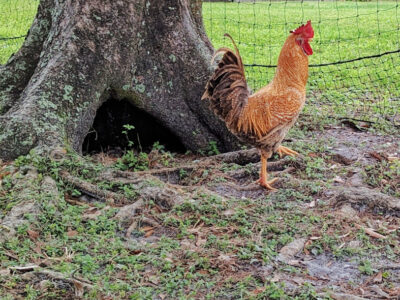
368, 88
16, 16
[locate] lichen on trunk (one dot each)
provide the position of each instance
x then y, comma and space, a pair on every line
78, 53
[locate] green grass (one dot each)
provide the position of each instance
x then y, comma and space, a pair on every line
207, 247
16, 16
368, 89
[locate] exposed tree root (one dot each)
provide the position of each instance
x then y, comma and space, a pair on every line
362, 196
129, 211
184, 180
157, 172
241, 157
173, 174
164, 186
93, 190
165, 196
78, 283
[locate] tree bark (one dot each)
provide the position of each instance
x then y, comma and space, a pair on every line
79, 52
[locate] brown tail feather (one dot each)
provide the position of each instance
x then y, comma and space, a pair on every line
227, 88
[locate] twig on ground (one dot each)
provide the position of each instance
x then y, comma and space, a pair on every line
370, 232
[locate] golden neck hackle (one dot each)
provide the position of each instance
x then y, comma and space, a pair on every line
292, 70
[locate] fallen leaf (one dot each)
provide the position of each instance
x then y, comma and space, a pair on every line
147, 228
378, 278
72, 233
377, 156
308, 243
2, 175
258, 291
149, 233
135, 251
33, 234
78, 288
158, 209
392, 228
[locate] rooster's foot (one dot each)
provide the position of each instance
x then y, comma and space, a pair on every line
282, 150
267, 183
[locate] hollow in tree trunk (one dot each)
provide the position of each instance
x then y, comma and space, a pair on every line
79, 53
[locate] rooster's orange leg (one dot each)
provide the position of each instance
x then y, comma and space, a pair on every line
282, 150
264, 175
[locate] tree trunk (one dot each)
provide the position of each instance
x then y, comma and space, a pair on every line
78, 53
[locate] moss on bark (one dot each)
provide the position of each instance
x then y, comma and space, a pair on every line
153, 53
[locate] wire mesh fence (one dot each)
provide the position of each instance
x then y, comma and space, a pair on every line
355, 68
16, 16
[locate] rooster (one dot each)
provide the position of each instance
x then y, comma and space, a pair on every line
263, 118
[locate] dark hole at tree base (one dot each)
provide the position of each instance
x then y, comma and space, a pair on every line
106, 134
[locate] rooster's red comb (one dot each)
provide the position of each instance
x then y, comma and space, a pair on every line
305, 30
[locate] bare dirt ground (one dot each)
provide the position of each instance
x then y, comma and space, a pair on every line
195, 227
